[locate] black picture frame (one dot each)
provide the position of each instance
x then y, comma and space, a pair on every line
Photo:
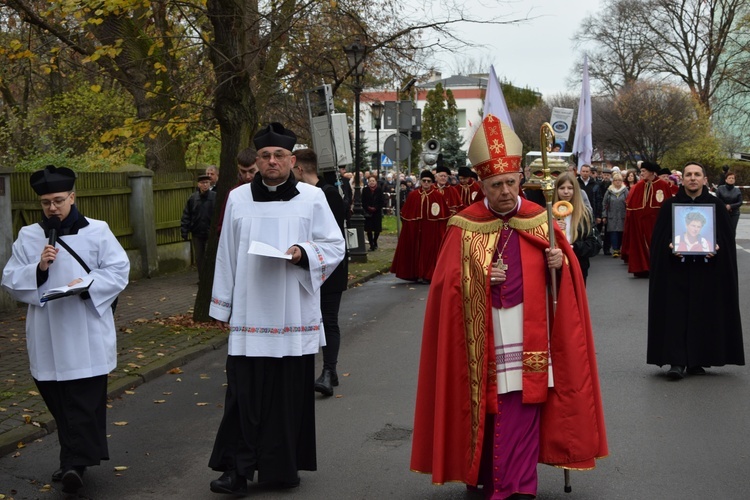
685, 218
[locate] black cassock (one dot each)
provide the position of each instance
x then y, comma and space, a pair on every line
693, 306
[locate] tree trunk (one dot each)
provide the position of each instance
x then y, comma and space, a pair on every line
236, 113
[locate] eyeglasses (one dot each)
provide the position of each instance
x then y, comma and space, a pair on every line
277, 155
427, 180
57, 202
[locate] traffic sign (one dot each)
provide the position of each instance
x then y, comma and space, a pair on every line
404, 149
385, 161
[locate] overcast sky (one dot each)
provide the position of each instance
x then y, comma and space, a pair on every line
538, 53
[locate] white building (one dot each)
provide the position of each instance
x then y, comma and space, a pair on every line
468, 91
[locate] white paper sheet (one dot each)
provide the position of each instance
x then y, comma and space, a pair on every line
265, 250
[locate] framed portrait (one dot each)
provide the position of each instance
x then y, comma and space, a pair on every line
693, 228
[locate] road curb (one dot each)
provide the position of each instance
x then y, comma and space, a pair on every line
368, 277
27, 433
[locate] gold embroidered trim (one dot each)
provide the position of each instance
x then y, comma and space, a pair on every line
535, 225
529, 224
535, 361
477, 250
490, 226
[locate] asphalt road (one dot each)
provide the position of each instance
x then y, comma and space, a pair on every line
668, 440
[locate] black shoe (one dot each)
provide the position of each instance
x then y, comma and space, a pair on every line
57, 475
676, 372
696, 370
72, 480
231, 483
324, 383
607, 253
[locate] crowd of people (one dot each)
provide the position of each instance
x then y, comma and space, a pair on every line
508, 376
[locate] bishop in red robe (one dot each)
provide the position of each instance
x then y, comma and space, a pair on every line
642, 206
504, 380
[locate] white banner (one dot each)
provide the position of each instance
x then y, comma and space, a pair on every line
560, 120
583, 142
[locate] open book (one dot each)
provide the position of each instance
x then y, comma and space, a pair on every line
65, 291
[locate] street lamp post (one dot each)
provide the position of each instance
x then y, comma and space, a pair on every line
377, 108
355, 57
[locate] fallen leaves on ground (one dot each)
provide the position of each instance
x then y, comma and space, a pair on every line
119, 424
120, 468
175, 371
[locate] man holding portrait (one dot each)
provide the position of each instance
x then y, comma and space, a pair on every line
697, 284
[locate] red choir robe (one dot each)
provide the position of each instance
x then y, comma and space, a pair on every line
469, 193
642, 206
454, 396
452, 198
424, 215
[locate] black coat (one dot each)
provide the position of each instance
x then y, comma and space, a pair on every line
196, 217
730, 196
339, 278
693, 303
586, 246
595, 193
372, 206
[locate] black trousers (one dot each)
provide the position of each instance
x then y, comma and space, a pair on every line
80, 411
269, 418
199, 250
329, 308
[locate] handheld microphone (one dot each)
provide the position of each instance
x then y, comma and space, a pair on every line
53, 224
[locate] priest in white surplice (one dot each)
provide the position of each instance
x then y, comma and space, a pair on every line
71, 340
272, 308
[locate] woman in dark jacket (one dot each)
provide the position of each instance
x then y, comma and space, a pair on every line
578, 225
372, 205
731, 197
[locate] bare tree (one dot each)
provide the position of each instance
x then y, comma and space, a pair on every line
617, 45
691, 40
645, 120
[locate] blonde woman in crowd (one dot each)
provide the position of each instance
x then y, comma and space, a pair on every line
577, 224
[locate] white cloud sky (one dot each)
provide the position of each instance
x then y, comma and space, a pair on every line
538, 53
